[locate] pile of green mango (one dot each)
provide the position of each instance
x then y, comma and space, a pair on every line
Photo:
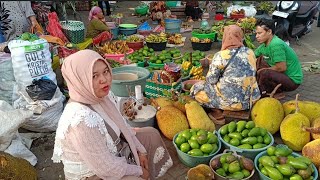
279, 163
197, 142
141, 54
232, 167
28, 37
245, 135
196, 57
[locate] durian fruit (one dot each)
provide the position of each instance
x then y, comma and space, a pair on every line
292, 129
268, 113
200, 172
308, 108
16, 168
171, 121
311, 150
198, 118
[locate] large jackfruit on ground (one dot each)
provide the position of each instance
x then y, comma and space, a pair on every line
171, 121
311, 150
268, 113
198, 118
308, 108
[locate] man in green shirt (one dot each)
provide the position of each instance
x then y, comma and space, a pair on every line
277, 62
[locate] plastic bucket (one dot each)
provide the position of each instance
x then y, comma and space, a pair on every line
204, 36
192, 161
117, 57
115, 32
119, 87
263, 177
217, 176
201, 46
249, 153
157, 46
141, 10
171, 3
172, 24
172, 31
128, 31
135, 45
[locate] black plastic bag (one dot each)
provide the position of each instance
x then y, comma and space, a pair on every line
42, 89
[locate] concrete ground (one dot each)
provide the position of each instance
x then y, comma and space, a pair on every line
308, 52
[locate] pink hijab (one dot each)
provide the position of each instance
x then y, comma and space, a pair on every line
77, 70
93, 12
232, 37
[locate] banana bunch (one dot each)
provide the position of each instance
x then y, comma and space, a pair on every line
175, 39
115, 47
195, 39
133, 38
152, 38
186, 65
196, 71
198, 77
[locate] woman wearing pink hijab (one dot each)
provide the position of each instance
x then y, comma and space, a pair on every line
97, 27
93, 140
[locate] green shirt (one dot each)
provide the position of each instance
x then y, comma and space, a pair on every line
279, 51
95, 27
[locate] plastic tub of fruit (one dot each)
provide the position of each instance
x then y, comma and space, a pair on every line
210, 35
242, 167
135, 45
117, 57
297, 175
157, 46
201, 46
248, 146
191, 157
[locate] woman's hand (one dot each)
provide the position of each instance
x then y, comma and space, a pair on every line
144, 161
34, 22
145, 173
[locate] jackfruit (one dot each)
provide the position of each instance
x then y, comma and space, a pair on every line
308, 108
268, 113
198, 118
311, 150
292, 129
161, 102
16, 168
180, 105
200, 172
171, 121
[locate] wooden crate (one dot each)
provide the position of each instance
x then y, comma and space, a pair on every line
178, 11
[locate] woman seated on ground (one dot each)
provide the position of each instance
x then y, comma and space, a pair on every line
192, 11
92, 138
97, 27
230, 83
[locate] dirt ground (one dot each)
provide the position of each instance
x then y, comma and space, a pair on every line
43, 147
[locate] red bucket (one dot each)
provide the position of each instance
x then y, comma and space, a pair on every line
118, 57
135, 45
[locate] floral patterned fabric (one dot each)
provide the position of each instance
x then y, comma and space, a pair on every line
237, 89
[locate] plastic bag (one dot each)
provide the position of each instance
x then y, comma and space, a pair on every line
54, 27
42, 89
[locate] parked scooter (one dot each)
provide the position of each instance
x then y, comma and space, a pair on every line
296, 16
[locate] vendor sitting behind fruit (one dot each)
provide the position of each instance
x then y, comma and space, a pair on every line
277, 62
233, 86
193, 11
97, 27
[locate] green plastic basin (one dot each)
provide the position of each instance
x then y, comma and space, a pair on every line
120, 87
128, 26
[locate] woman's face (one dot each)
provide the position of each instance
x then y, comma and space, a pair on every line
101, 79
263, 35
100, 15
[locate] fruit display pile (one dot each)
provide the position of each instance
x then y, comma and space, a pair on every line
114, 47
175, 39
197, 40
153, 38
232, 166
245, 135
280, 163
197, 142
165, 56
196, 57
134, 38
141, 54
202, 31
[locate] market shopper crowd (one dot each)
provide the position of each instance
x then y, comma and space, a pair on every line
92, 139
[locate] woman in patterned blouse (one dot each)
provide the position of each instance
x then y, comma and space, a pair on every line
233, 86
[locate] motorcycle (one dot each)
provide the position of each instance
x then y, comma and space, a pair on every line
295, 16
